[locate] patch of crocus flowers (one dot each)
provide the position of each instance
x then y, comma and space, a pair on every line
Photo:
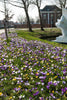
32, 70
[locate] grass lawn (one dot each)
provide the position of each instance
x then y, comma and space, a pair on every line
32, 70
37, 34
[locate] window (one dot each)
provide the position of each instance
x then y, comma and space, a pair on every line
51, 15
52, 19
48, 9
44, 16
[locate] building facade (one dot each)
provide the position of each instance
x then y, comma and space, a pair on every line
10, 24
50, 14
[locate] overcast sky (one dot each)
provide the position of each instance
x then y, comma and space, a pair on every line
19, 11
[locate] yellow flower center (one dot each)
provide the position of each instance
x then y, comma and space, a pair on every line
1, 93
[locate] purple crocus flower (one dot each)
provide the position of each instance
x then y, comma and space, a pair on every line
36, 93
48, 86
49, 83
17, 89
64, 90
30, 98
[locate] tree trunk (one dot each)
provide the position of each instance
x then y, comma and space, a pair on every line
5, 26
40, 20
8, 30
28, 20
64, 4
5, 21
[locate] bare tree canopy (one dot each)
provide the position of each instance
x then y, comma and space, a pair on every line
7, 15
22, 19
61, 3
37, 20
23, 4
5, 19
38, 4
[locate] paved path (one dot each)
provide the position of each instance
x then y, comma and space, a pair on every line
2, 30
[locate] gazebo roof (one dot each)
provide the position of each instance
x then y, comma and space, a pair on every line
50, 8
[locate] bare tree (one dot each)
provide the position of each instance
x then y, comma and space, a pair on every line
23, 4
32, 20
4, 12
7, 16
37, 20
20, 19
61, 3
38, 4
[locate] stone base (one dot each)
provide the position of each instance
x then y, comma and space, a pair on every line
61, 39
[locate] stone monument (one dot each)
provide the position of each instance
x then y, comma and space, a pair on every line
62, 24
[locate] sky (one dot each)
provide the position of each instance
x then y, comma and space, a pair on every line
33, 12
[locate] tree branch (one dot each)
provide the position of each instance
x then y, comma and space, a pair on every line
16, 5
16, 2
2, 11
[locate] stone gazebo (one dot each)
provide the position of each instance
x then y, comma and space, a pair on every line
50, 14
